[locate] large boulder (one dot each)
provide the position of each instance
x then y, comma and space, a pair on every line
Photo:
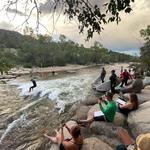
81, 113
91, 100
139, 120
106, 132
94, 143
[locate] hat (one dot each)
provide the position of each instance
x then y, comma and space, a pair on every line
143, 141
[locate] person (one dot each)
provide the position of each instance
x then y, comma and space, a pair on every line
113, 80
142, 141
125, 77
109, 111
103, 74
34, 85
74, 143
130, 105
136, 86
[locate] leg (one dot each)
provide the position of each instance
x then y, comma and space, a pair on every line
30, 89
87, 121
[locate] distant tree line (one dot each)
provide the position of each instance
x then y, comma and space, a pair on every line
42, 51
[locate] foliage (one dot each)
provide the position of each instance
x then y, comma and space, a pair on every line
6, 60
90, 14
42, 51
145, 50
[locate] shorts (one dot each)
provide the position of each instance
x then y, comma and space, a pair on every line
99, 118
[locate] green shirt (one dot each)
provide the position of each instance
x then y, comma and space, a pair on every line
110, 110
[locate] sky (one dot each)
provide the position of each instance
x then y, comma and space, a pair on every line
124, 37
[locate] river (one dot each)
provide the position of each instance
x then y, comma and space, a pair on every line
24, 116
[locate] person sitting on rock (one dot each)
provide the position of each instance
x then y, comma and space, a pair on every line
75, 143
136, 86
142, 142
131, 104
109, 112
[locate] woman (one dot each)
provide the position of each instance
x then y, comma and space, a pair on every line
132, 104
75, 143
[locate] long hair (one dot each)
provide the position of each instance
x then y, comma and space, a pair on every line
134, 100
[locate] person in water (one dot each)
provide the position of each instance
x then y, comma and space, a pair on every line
130, 105
34, 85
74, 143
109, 111
113, 81
103, 74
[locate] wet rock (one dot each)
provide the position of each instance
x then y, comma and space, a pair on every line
91, 100
94, 143
139, 120
81, 112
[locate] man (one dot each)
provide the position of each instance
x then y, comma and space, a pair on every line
136, 86
113, 80
34, 85
103, 74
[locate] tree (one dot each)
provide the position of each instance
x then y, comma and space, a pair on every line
91, 15
145, 50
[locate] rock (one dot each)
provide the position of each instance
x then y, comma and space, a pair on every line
73, 109
144, 96
91, 100
139, 120
81, 112
94, 143
35, 146
54, 147
104, 128
120, 119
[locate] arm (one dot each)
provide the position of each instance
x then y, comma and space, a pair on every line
127, 105
105, 102
125, 137
67, 128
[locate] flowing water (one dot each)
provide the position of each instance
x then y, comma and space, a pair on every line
22, 111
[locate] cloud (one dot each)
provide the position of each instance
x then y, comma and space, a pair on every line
6, 26
15, 11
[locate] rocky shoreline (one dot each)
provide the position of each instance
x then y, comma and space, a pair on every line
103, 135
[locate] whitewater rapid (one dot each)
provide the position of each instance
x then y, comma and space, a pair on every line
62, 90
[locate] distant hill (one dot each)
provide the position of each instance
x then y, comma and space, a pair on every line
10, 39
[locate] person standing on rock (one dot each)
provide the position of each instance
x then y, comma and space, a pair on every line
34, 85
113, 81
103, 74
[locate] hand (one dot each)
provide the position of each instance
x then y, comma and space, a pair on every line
99, 101
45, 135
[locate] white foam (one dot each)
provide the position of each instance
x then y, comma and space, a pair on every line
12, 125
62, 90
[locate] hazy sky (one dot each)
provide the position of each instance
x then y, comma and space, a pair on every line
123, 37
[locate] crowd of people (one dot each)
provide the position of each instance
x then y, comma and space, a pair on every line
108, 112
